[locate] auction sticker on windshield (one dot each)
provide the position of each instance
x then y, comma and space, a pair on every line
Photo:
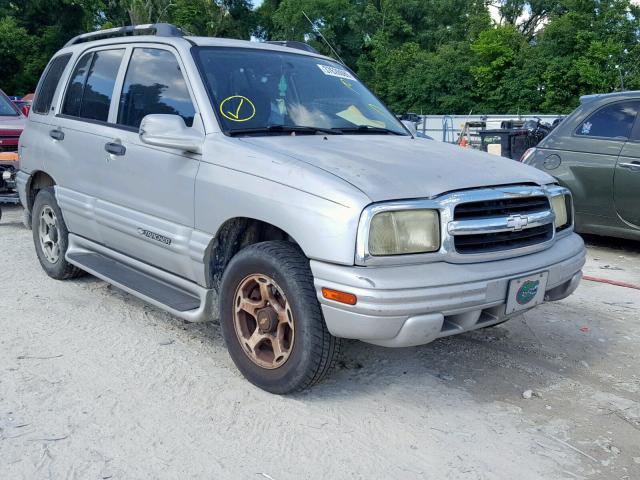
336, 72
526, 292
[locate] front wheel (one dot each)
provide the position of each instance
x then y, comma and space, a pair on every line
271, 319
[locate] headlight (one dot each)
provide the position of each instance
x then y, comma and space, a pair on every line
561, 206
403, 232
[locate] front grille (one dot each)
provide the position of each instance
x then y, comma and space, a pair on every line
501, 208
522, 235
496, 242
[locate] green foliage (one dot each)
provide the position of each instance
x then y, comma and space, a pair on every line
430, 56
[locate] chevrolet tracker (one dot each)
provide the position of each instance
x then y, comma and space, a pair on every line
263, 185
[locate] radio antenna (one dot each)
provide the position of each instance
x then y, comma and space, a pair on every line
318, 32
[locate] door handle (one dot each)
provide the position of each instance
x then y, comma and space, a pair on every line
633, 166
115, 148
56, 134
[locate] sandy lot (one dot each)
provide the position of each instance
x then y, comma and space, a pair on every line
95, 384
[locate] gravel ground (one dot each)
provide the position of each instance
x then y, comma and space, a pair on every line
95, 384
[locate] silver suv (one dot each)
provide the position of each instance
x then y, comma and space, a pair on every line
265, 186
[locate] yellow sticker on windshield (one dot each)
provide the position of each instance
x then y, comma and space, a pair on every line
346, 83
237, 108
375, 108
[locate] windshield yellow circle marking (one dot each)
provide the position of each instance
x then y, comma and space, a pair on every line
240, 109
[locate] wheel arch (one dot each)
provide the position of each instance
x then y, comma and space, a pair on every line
37, 181
234, 235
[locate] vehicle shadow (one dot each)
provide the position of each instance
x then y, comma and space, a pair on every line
6, 224
11, 215
494, 364
612, 243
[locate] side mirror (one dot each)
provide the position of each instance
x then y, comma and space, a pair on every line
25, 110
410, 126
163, 130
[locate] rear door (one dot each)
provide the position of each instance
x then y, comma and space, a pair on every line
626, 180
78, 160
592, 151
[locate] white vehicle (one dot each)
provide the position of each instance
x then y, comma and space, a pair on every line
266, 186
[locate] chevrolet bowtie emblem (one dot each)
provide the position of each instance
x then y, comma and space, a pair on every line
517, 222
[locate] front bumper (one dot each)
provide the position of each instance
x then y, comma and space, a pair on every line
415, 304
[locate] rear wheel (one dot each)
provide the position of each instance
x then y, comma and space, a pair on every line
271, 319
51, 237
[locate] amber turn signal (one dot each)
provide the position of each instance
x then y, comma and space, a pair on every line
342, 297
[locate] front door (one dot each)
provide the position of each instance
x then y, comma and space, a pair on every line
147, 206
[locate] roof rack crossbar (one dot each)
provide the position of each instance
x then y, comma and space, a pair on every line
157, 29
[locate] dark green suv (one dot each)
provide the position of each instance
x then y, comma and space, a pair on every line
595, 152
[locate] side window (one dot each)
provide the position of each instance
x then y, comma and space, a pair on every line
613, 121
154, 84
73, 98
48, 84
91, 88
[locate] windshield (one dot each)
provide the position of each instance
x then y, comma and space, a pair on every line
262, 91
7, 108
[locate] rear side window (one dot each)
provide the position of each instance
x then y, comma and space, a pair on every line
73, 98
91, 87
154, 84
49, 83
613, 121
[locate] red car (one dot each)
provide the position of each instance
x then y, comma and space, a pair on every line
12, 123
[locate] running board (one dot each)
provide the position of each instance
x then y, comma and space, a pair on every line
174, 294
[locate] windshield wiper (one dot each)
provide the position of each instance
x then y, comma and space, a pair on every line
369, 129
284, 129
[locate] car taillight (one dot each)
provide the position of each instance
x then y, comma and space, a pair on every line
527, 154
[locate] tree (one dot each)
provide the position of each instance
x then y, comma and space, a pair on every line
431, 56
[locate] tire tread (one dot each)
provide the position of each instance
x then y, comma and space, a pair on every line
295, 265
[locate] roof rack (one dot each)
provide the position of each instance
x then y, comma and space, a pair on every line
293, 44
157, 29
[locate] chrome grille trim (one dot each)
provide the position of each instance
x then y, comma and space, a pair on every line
500, 224
446, 204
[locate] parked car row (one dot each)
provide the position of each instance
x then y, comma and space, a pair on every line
12, 122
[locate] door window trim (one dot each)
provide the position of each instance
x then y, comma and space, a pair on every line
635, 130
76, 60
63, 75
119, 83
126, 61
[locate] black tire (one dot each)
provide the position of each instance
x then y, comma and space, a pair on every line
314, 350
59, 269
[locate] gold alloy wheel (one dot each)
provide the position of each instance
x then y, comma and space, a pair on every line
263, 321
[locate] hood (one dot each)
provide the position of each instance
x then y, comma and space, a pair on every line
387, 167
11, 123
